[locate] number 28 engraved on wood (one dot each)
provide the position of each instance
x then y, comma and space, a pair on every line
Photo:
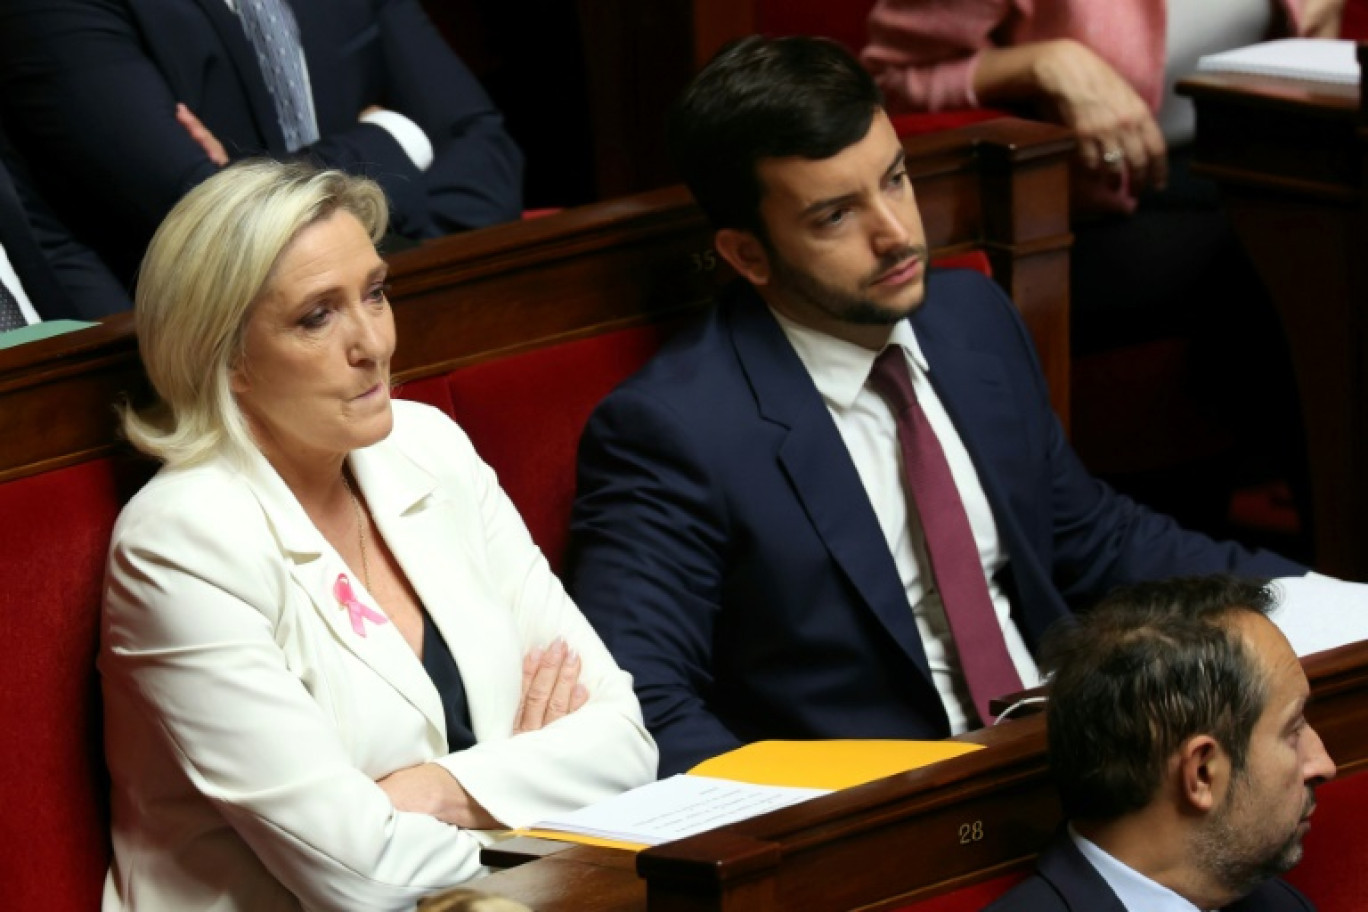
970, 832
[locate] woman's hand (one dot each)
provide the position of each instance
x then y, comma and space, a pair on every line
1116, 131
430, 789
550, 690
550, 687
1115, 128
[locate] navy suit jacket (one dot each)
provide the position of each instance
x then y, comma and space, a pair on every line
725, 549
1064, 881
91, 86
63, 278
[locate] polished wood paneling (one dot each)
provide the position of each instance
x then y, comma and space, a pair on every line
1290, 159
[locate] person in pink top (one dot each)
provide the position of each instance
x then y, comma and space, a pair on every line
1154, 257
1098, 66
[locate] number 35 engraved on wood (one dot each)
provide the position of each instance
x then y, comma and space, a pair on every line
971, 832
705, 261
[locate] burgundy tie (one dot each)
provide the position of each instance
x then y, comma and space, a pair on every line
931, 492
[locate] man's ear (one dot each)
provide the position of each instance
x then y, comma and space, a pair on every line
744, 253
1203, 773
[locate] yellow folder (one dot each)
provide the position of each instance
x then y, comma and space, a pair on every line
833, 764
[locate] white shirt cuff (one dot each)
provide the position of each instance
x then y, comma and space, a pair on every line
407, 134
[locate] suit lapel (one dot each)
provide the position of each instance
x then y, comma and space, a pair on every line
975, 390
244, 58
421, 524
1077, 881
315, 567
814, 458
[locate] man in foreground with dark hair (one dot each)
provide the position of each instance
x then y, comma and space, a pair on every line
745, 538
1177, 742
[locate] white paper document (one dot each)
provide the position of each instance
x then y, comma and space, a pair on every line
1318, 612
1332, 60
676, 807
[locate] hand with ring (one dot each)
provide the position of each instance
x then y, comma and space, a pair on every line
1115, 128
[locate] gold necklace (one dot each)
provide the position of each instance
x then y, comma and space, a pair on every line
360, 530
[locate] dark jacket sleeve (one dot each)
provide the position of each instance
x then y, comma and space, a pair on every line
649, 543
475, 178
96, 110
89, 289
1098, 538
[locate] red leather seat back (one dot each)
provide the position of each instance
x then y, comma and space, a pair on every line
842, 20
524, 414
54, 828
1334, 869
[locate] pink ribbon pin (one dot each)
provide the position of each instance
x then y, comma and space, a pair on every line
358, 611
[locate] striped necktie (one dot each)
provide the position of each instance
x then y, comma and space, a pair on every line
270, 26
11, 317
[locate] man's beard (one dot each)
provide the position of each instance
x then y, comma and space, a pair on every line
1227, 855
842, 305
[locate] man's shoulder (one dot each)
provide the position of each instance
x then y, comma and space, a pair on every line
1275, 895
700, 359
964, 302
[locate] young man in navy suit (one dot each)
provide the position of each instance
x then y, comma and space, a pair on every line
743, 538
1183, 760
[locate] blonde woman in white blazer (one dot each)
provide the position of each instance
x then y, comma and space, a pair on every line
332, 657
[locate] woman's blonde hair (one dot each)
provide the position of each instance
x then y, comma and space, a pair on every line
210, 260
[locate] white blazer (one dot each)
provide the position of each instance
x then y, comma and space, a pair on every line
246, 722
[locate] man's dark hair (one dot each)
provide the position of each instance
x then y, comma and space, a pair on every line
1133, 678
765, 98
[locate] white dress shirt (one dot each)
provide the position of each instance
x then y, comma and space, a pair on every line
1136, 891
840, 371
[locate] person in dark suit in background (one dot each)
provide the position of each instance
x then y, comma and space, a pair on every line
743, 538
1185, 766
45, 273
130, 103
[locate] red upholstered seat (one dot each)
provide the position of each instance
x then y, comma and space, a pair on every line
968, 899
1354, 24
54, 831
1334, 870
529, 437
841, 20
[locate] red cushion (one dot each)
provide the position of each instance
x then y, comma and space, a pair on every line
524, 413
968, 899
1354, 23
974, 259
843, 20
54, 836
1334, 870
919, 123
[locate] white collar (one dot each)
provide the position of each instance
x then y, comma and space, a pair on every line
840, 368
1135, 890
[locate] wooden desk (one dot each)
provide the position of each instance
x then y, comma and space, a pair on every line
888, 843
1290, 159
